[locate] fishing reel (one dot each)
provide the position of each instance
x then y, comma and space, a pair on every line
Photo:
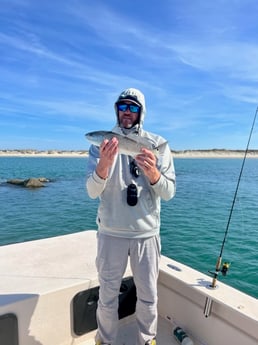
223, 270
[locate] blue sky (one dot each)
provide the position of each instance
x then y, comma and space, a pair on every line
63, 64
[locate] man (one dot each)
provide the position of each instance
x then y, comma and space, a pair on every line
128, 218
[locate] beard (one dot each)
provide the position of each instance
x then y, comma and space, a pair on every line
128, 122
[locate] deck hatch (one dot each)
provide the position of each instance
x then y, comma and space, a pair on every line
85, 305
8, 329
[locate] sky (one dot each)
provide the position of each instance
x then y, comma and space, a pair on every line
64, 63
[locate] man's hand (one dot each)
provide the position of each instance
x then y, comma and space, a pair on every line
108, 150
147, 162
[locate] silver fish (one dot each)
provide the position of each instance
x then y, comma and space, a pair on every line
126, 145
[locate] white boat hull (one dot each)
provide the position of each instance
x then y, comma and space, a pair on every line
39, 280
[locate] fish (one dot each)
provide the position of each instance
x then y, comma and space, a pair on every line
126, 145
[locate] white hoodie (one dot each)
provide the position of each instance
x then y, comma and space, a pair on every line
115, 217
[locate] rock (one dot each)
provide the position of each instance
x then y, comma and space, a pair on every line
16, 181
29, 183
33, 183
43, 179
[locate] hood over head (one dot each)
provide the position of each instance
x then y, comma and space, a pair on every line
135, 96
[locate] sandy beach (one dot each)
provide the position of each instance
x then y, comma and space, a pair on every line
47, 153
214, 153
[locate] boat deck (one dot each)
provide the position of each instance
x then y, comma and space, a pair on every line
164, 336
40, 280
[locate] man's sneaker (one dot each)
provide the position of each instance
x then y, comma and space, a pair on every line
151, 342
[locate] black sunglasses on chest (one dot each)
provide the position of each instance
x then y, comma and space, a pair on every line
132, 191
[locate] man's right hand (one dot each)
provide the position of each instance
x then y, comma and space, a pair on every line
108, 150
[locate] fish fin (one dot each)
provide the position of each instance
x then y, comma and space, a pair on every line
160, 146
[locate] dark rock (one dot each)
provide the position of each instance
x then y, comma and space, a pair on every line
16, 181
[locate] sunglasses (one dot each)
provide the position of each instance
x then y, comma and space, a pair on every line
132, 192
134, 170
132, 107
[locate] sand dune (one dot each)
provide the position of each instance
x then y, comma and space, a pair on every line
214, 153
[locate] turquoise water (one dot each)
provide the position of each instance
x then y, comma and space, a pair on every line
193, 223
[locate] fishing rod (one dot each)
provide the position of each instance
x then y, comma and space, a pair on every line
225, 265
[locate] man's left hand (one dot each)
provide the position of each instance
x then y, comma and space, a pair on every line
147, 163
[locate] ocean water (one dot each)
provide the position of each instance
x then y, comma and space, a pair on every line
193, 224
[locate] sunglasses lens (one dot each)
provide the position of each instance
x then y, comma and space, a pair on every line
133, 108
122, 107
132, 197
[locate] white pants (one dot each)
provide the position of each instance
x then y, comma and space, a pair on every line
111, 263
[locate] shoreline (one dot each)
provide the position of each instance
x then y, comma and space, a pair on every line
213, 153
43, 153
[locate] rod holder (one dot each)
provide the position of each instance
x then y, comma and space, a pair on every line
208, 307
